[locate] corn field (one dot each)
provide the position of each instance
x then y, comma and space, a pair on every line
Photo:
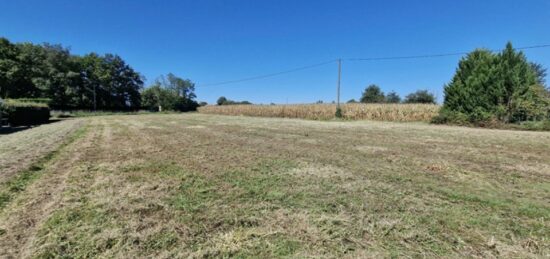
354, 111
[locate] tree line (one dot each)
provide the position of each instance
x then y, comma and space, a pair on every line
91, 81
373, 94
50, 71
224, 101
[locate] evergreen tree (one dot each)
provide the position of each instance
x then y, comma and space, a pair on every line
540, 72
488, 86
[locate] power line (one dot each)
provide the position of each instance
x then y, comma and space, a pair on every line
270, 75
437, 55
357, 59
407, 57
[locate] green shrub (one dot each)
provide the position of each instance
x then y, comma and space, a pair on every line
338, 112
22, 113
446, 116
536, 125
480, 115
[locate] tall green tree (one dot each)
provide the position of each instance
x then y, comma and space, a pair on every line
221, 101
420, 96
183, 87
372, 94
171, 93
31, 70
515, 79
115, 84
156, 98
60, 75
224, 101
393, 97
9, 68
503, 86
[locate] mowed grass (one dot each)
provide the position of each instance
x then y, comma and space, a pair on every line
350, 111
198, 185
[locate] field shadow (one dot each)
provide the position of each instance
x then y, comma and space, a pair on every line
5, 130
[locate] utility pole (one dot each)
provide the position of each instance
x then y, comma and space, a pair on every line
338, 85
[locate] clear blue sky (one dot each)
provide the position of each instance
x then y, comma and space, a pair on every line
216, 40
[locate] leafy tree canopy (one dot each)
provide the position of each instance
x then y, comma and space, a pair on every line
420, 96
224, 101
170, 93
372, 94
50, 71
393, 97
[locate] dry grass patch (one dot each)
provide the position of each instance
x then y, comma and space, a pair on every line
326, 171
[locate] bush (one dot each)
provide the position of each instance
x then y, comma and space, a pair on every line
450, 117
20, 113
338, 112
536, 125
478, 117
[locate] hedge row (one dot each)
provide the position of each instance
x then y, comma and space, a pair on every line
24, 113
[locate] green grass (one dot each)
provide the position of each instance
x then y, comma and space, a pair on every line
16, 185
74, 233
536, 125
10, 189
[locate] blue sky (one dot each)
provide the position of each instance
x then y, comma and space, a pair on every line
209, 41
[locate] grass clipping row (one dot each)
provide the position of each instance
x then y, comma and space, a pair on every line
355, 111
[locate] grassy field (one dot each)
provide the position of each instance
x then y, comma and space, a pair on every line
350, 111
19, 150
199, 185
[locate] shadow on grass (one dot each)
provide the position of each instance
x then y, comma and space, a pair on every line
4, 130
